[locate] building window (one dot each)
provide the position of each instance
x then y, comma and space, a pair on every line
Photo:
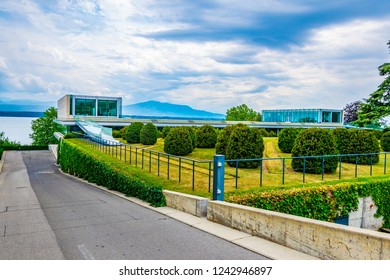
85, 107
336, 117
107, 108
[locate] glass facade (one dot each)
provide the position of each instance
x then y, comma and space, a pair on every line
94, 106
303, 116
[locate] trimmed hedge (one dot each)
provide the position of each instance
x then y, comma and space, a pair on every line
245, 143
354, 141
148, 134
223, 139
314, 142
287, 138
1, 152
322, 202
165, 131
178, 142
385, 142
87, 165
133, 132
206, 136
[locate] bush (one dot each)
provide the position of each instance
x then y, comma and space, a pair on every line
272, 134
133, 132
354, 141
206, 136
192, 133
287, 138
378, 133
165, 131
124, 132
74, 135
385, 141
245, 143
148, 134
178, 142
1, 152
223, 138
315, 142
117, 133
91, 166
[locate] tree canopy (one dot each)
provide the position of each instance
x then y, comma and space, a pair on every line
44, 127
351, 111
242, 113
377, 106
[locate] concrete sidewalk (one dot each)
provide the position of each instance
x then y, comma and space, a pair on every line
24, 231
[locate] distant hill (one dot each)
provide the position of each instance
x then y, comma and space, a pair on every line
25, 105
161, 109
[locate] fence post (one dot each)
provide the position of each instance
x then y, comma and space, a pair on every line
219, 177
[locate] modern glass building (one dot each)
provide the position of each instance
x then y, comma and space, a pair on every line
303, 116
94, 106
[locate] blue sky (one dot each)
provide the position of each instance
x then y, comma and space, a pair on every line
210, 55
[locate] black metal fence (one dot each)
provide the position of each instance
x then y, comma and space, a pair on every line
198, 174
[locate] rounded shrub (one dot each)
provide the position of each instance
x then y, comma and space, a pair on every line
133, 132
165, 131
385, 141
116, 133
223, 138
342, 138
315, 142
362, 142
287, 138
148, 134
178, 142
192, 133
245, 143
206, 136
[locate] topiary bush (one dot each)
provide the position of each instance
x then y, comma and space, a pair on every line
287, 138
245, 143
385, 142
133, 132
148, 134
355, 141
178, 142
206, 136
223, 138
165, 131
315, 142
192, 133
117, 133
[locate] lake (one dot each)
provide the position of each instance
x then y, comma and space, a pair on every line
17, 129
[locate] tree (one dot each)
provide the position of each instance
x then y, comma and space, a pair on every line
351, 111
44, 127
206, 136
148, 134
377, 106
178, 141
133, 132
242, 113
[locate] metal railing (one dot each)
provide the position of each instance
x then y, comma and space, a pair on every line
199, 174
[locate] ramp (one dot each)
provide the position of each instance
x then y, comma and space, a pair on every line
97, 132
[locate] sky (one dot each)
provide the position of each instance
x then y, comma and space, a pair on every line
208, 54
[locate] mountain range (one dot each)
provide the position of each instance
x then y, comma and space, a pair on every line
144, 109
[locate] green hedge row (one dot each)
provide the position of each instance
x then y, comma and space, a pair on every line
24, 147
321, 203
1, 152
87, 165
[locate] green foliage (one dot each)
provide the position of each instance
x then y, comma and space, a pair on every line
1, 152
133, 132
377, 106
165, 131
148, 134
73, 135
19, 147
271, 134
206, 136
44, 127
385, 142
223, 138
124, 132
242, 113
320, 202
315, 142
192, 132
377, 133
245, 143
117, 133
354, 141
178, 142
287, 138
90, 166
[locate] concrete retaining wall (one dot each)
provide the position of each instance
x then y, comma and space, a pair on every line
191, 204
364, 216
320, 239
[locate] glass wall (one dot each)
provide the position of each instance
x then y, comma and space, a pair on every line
85, 107
107, 108
302, 116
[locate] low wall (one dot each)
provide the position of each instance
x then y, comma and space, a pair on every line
364, 217
320, 239
191, 204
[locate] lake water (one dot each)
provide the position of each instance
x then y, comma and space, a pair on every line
17, 129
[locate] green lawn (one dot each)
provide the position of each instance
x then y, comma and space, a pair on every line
196, 177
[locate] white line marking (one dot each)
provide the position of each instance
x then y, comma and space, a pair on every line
87, 254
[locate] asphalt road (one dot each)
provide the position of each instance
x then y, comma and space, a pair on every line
89, 223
